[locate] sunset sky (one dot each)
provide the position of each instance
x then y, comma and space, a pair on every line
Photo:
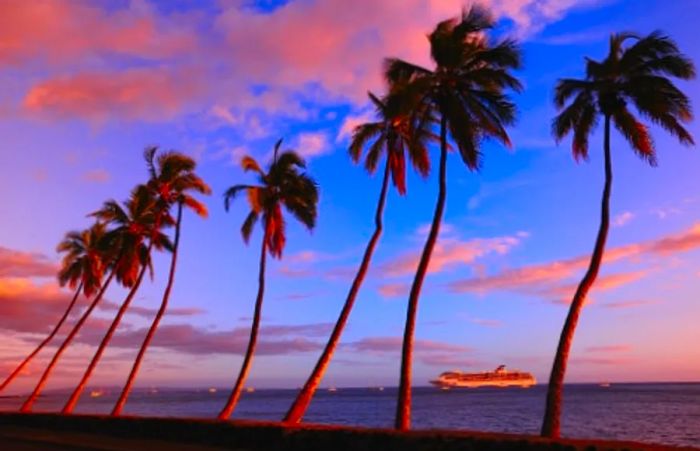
86, 85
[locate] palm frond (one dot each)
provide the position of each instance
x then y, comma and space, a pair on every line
248, 224
231, 193
636, 133
361, 134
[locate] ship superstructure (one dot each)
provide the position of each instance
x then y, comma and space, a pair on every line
500, 377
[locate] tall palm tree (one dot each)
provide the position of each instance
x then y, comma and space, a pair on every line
282, 185
172, 178
393, 136
634, 75
137, 230
465, 90
83, 266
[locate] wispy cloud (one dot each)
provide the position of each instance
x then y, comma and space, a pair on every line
450, 252
622, 219
538, 279
96, 176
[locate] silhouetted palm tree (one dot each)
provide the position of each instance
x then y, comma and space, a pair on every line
83, 266
393, 136
137, 230
282, 185
465, 91
172, 178
635, 75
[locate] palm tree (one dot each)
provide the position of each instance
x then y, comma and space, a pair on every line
83, 267
465, 91
393, 136
634, 75
172, 178
282, 185
110, 259
137, 231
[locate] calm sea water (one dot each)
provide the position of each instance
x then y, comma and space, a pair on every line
658, 413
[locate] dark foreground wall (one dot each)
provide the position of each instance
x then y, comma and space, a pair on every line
261, 436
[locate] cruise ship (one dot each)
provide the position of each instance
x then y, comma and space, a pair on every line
500, 377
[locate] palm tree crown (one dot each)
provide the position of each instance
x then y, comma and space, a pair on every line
282, 185
467, 85
634, 75
172, 178
136, 226
393, 134
87, 256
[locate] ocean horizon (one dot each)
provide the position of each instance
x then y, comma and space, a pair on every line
662, 412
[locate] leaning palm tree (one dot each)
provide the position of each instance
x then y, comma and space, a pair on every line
282, 185
393, 136
137, 230
110, 258
466, 92
172, 179
634, 75
83, 266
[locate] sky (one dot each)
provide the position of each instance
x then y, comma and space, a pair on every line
86, 85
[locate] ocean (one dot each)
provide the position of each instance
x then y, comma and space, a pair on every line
665, 413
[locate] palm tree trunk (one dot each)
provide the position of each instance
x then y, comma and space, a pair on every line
46, 341
551, 424
301, 404
119, 406
252, 342
403, 407
27, 406
73, 400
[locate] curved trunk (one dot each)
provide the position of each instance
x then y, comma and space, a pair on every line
119, 406
252, 342
27, 406
403, 407
552, 416
46, 341
73, 400
298, 409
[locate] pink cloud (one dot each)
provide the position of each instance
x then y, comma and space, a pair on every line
311, 145
97, 176
188, 339
61, 31
29, 307
450, 252
14, 263
151, 312
321, 51
428, 352
563, 294
546, 278
150, 94
391, 290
